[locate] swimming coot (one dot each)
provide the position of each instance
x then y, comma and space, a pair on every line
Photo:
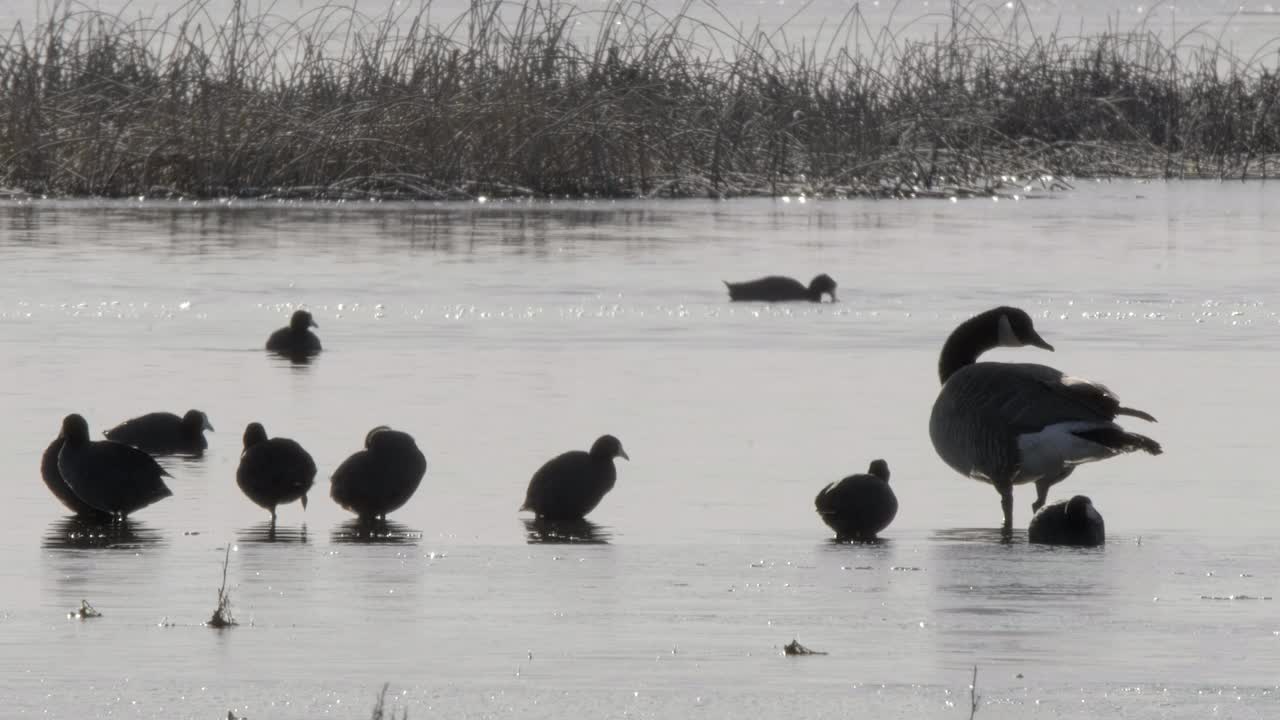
382, 477
571, 484
111, 477
296, 341
1012, 423
274, 471
776, 288
163, 433
859, 506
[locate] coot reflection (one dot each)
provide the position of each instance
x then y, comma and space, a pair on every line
540, 531
375, 532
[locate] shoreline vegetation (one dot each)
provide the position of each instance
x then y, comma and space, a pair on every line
510, 100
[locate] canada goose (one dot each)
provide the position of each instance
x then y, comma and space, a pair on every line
1068, 522
572, 484
53, 480
163, 433
296, 341
776, 288
1013, 423
859, 506
274, 471
111, 477
382, 477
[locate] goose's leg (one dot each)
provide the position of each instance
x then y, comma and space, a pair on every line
1043, 485
1005, 488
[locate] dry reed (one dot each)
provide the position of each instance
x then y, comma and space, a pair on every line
511, 100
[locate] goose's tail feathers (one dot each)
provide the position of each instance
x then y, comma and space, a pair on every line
1135, 413
1120, 440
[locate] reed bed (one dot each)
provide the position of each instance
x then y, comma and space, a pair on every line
512, 100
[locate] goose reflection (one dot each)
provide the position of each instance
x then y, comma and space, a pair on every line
375, 532
565, 532
77, 533
980, 535
269, 532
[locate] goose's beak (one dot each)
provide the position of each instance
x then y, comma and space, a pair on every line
1037, 341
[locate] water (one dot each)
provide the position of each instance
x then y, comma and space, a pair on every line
500, 334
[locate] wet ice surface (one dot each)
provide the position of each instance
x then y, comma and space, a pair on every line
502, 335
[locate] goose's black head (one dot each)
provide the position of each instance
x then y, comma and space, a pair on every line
302, 321
879, 468
1014, 328
254, 433
608, 447
998, 327
822, 285
75, 430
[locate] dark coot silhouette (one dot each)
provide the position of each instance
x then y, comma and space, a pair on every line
53, 480
111, 477
1068, 522
859, 506
1008, 424
571, 484
163, 433
274, 471
296, 341
776, 288
382, 477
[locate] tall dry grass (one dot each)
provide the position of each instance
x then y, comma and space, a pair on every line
510, 99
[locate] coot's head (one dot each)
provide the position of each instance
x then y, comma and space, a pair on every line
608, 447
254, 433
823, 285
301, 321
196, 421
75, 430
1081, 512
368, 437
383, 439
880, 469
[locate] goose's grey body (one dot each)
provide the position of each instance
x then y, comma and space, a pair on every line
1068, 522
1014, 423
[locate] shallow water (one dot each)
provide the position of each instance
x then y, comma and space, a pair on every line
500, 334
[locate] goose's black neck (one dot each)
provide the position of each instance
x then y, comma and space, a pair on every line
966, 343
